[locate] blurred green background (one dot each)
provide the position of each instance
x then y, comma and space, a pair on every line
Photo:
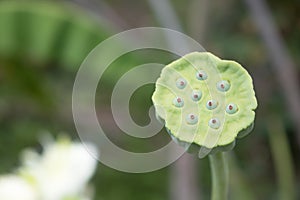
42, 44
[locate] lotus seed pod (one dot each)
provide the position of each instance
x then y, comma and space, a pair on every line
219, 102
181, 83
191, 118
178, 102
231, 108
196, 95
214, 123
201, 75
223, 85
211, 104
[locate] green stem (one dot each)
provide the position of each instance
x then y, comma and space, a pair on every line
219, 168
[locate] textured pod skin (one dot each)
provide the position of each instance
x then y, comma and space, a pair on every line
232, 125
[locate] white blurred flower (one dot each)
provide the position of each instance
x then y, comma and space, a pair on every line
13, 187
62, 171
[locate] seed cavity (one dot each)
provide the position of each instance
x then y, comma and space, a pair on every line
191, 118
201, 75
231, 108
223, 86
214, 123
196, 95
181, 83
178, 102
211, 104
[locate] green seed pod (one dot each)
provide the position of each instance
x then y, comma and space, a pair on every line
214, 123
178, 102
211, 104
209, 119
196, 95
181, 83
231, 108
223, 86
191, 119
201, 75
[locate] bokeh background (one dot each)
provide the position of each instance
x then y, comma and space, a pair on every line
42, 44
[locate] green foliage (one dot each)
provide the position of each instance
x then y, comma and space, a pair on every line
44, 32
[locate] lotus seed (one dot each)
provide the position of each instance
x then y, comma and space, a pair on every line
196, 95
223, 86
181, 83
191, 119
214, 123
178, 102
231, 108
211, 104
201, 75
